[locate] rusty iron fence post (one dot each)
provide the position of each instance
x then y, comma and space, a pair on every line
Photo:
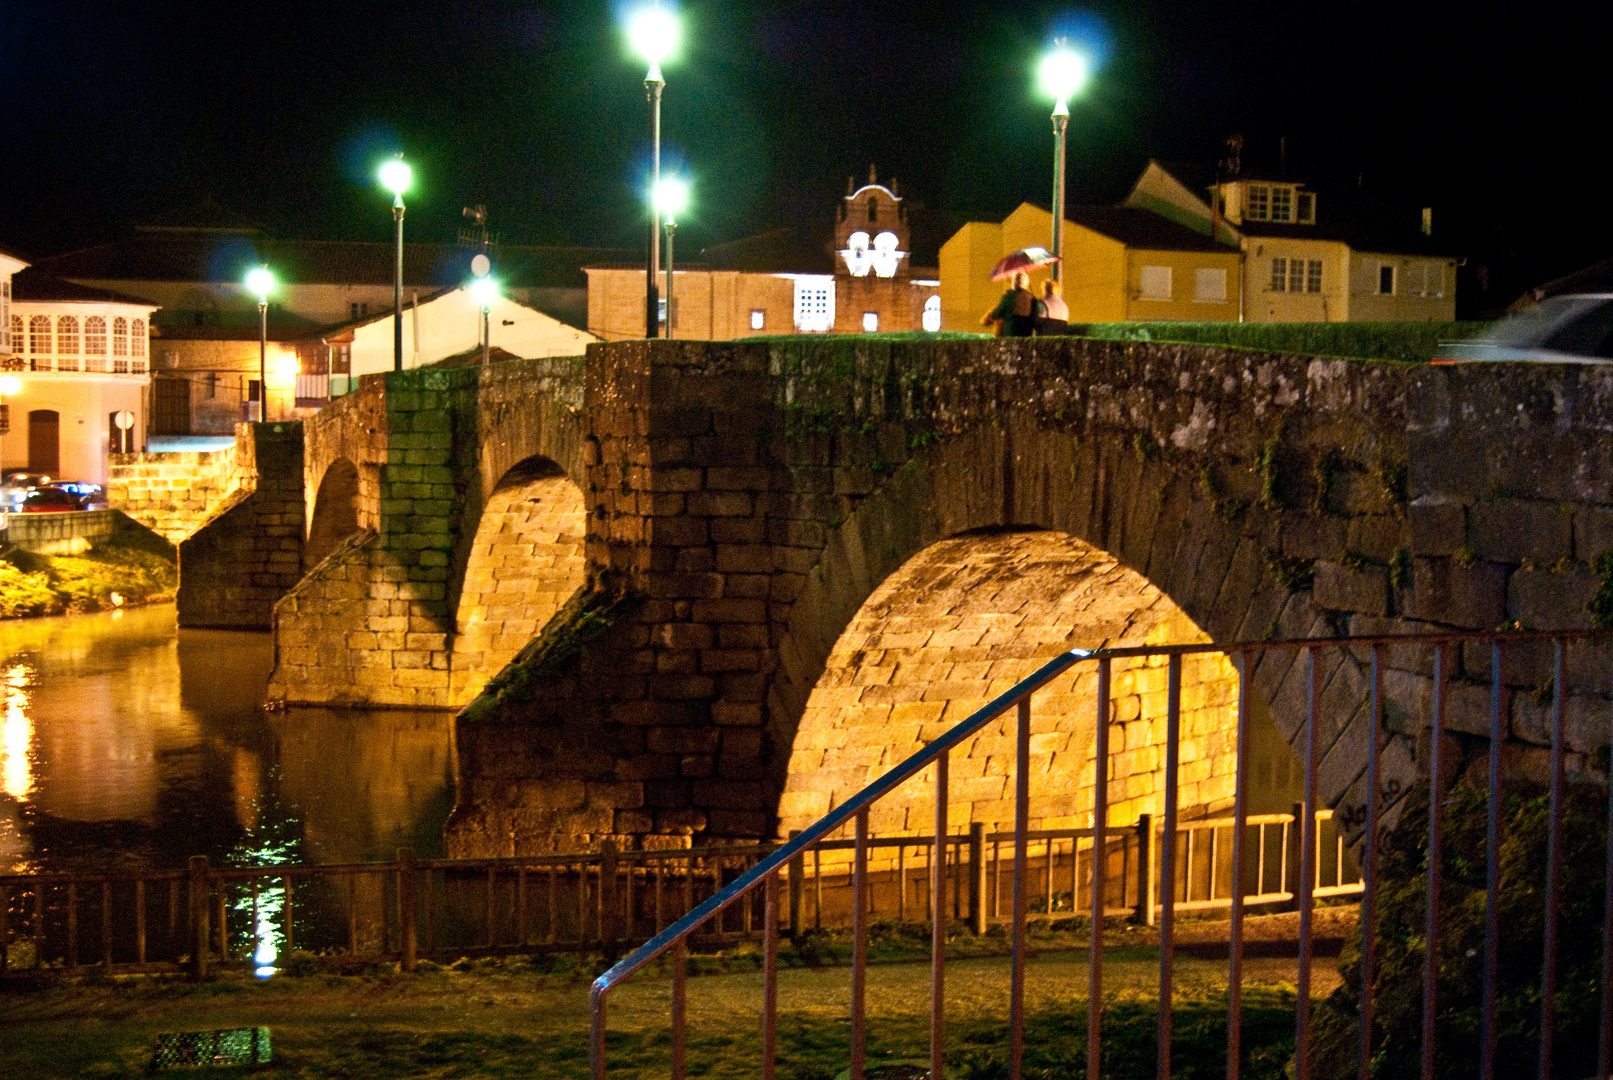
199, 935
408, 908
977, 877
1144, 871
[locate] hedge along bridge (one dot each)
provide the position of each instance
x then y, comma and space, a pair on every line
738, 581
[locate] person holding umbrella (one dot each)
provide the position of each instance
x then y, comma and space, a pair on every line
1017, 313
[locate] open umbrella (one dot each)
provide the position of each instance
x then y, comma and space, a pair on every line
1023, 259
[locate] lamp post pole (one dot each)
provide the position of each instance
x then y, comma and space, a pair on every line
653, 82
263, 358
1061, 121
671, 231
397, 287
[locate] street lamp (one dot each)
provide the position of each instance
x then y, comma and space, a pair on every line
1063, 72
670, 197
485, 291
653, 34
260, 282
395, 177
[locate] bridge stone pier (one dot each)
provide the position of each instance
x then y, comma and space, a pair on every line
707, 590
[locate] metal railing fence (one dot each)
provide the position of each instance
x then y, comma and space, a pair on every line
765, 877
169, 920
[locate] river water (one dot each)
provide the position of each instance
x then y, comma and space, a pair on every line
126, 742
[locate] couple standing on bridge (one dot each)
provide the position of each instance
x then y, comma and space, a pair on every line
1020, 313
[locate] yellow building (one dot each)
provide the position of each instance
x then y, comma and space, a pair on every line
1307, 260
1121, 264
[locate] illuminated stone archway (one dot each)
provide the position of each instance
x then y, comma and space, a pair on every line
335, 515
964, 620
526, 561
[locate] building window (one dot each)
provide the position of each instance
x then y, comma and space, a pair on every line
1307, 208
341, 359
1154, 283
814, 303
137, 338
758, 320
95, 336
1279, 275
1257, 205
120, 336
1296, 275
67, 336
932, 314
352, 310
39, 335
870, 322
16, 333
1209, 285
873, 209
1313, 276
1282, 203
1386, 281
210, 387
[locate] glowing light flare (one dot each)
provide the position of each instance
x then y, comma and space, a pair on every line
260, 283
653, 33
10, 384
485, 291
670, 197
283, 370
396, 175
1062, 73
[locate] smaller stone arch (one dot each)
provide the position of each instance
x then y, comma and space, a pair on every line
526, 561
335, 515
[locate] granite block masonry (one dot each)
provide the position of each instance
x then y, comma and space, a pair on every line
742, 504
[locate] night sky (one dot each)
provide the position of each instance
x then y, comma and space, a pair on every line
118, 111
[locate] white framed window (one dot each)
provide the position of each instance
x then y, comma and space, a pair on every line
1386, 280
67, 336
1296, 275
1209, 285
1313, 276
16, 334
1257, 203
758, 319
1282, 203
870, 322
137, 338
39, 343
5, 310
1305, 207
932, 314
120, 345
814, 303
1279, 275
1154, 283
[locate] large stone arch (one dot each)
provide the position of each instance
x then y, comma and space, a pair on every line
525, 561
335, 514
1219, 566
962, 621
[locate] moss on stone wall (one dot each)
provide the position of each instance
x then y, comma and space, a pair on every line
132, 566
1410, 343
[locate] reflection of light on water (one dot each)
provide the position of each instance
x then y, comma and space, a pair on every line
269, 931
17, 734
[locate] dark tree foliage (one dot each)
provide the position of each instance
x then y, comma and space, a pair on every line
1402, 907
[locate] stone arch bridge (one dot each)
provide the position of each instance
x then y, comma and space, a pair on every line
706, 589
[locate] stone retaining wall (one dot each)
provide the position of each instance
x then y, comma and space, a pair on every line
66, 533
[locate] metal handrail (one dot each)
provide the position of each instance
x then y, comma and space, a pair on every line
769, 867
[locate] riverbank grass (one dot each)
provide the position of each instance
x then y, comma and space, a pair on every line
132, 566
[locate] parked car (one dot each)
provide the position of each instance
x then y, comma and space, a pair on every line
1568, 329
18, 483
90, 496
49, 500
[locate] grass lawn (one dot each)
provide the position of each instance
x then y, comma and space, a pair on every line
132, 566
519, 1018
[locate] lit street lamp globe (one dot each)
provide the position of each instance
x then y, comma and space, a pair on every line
653, 34
10, 384
485, 291
671, 196
396, 175
1063, 72
260, 283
